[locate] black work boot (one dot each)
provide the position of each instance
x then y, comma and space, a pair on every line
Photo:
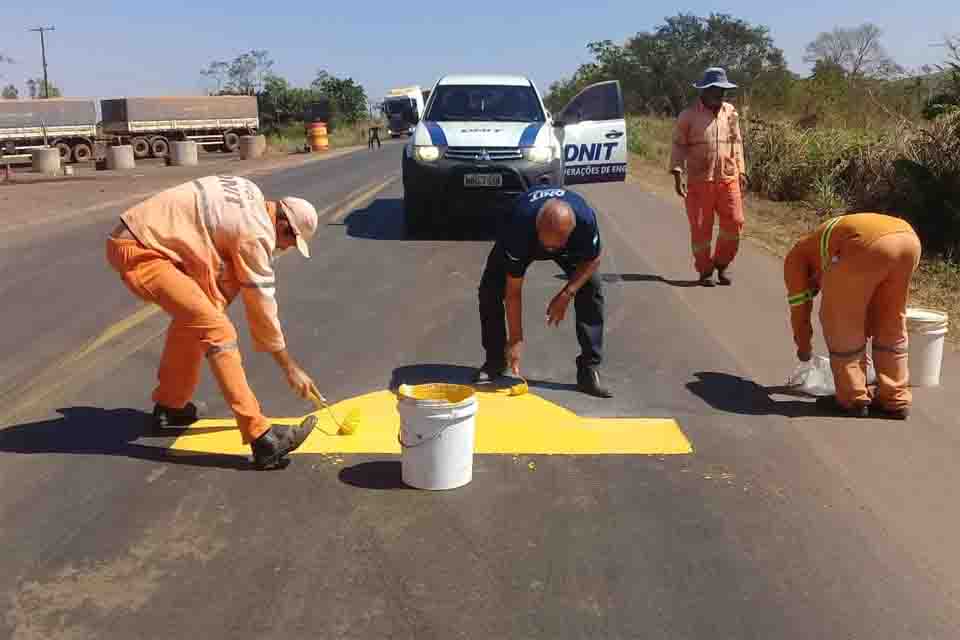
830, 406
723, 276
706, 279
894, 414
166, 417
588, 381
489, 372
271, 447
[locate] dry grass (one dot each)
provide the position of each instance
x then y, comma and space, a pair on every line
775, 226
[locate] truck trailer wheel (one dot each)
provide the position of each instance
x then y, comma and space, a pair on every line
66, 154
141, 148
159, 147
231, 142
82, 152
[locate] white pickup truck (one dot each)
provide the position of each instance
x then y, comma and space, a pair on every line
485, 139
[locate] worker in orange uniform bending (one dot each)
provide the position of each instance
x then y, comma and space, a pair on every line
191, 250
707, 145
863, 264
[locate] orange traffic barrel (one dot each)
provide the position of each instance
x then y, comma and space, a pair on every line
317, 136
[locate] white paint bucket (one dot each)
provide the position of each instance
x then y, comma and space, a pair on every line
927, 329
437, 427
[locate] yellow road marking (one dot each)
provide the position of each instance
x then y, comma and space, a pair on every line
117, 329
355, 198
525, 424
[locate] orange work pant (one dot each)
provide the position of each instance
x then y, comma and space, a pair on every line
198, 329
704, 201
865, 295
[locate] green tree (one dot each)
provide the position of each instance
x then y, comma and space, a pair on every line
10, 92
280, 103
348, 99
656, 68
947, 100
35, 89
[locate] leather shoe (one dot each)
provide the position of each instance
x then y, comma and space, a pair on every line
588, 381
166, 417
829, 405
723, 277
271, 447
489, 372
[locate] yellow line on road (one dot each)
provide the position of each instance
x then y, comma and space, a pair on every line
117, 329
357, 198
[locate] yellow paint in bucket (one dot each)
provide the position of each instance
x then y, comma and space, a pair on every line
437, 391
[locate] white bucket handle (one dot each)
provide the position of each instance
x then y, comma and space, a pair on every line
424, 441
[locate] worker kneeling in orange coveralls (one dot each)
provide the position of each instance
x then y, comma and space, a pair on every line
191, 250
863, 264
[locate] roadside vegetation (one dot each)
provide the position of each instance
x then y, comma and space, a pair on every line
860, 133
283, 106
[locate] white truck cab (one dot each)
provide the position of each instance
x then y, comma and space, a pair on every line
485, 139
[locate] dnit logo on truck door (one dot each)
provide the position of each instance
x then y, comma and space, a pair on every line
593, 162
589, 152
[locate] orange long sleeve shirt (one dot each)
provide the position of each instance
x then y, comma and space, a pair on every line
707, 145
218, 230
813, 254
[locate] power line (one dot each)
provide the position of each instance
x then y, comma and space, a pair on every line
43, 53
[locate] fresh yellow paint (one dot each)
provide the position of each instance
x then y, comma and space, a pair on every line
526, 424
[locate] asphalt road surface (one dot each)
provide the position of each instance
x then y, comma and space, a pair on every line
779, 524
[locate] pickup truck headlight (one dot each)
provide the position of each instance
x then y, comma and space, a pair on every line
540, 155
427, 153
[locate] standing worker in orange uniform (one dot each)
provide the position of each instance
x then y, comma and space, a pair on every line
191, 250
863, 264
708, 146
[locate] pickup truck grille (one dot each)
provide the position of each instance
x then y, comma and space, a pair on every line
474, 154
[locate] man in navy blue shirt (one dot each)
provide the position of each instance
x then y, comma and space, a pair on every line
547, 223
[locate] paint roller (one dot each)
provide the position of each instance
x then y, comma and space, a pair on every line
349, 425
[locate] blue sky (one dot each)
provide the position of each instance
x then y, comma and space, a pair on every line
110, 48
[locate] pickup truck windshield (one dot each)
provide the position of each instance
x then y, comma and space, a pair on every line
485, 103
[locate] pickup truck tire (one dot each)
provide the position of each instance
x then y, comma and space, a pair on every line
82, 152
416, 214
141, 148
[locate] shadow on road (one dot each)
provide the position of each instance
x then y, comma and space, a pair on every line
381, 475
733, 394
613, 278
107, 432
383, 219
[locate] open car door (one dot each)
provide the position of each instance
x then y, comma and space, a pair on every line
594, 135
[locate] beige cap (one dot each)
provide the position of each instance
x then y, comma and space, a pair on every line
304, 220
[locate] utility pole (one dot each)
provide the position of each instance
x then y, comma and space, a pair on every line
43, 52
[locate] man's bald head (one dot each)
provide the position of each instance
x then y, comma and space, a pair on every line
555, 223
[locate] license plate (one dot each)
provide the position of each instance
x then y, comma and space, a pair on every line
483, 180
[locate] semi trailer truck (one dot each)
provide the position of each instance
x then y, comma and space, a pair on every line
150, 124
69, 124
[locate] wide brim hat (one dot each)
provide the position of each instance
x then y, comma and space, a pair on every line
714, 77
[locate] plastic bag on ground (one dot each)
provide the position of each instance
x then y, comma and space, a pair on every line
815, 377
